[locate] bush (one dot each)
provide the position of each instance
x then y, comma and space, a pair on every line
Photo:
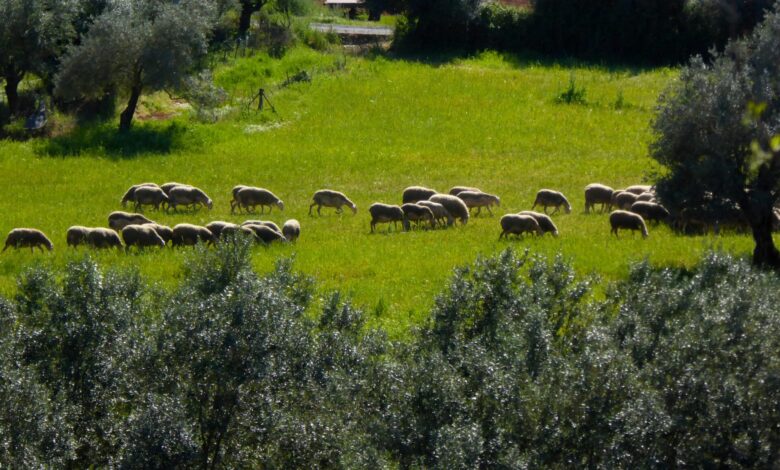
520, 364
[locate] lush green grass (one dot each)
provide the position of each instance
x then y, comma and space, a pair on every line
370, 130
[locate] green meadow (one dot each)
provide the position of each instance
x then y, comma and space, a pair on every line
367, 126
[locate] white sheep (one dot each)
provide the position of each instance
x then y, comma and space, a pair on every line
330, 198
548, 197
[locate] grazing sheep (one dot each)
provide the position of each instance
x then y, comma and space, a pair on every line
130, 194
76, 235
118, 220
479, 200
455, 190
384, 213
168, 186
165, 232
150, 196
329, 198
141, 236
650, 211
597, 193
291, 230
439, 212
103, 238
413, 194
189, 234
186, 196
627, 220
267, 223
548, 197
639, 189
623, 200
234, 192
252, 197
518, 225
544, 221
27, 237
219, 228
454, 205
265, 234
646, 196
416, 213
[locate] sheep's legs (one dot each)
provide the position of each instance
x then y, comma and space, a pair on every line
489, 211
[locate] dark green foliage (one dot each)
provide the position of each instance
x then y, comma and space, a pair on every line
520, 365
715, 128
645, 31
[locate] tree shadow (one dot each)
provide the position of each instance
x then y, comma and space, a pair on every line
443, 57
105, 139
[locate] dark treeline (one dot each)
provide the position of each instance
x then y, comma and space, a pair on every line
518, 365
632, 31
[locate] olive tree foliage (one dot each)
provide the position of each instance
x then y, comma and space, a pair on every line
522, 367
137, 46
33, 34
716, 129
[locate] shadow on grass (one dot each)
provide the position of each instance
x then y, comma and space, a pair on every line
442, 57
105, 139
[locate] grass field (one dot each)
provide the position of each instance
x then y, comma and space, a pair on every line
368, 127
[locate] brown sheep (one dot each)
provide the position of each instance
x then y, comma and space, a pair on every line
650, 211
439, 212
548, 197
165, 232
141, 236
623, 200
118, 220
416, 213
479, 200
518, 225
329, 198
385, 213
250, 197
454, 205
186, 196
455, 190
413, 194
265, 234
103, 238
77, 235
189, 234
597, 193
544, 221
27, 237
130, 194
291, 230
150, 196
627, 220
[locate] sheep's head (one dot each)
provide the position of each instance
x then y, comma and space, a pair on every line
209, 203
354, 208
567, 207
280, 205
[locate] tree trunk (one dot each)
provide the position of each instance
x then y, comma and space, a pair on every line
12, 80
245, 18
126, 118
765, 253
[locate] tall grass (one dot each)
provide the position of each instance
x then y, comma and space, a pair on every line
370, 128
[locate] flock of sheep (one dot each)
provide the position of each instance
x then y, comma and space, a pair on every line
420, 205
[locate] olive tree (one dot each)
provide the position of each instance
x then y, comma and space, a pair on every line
715, 134
33, 34
137, 46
